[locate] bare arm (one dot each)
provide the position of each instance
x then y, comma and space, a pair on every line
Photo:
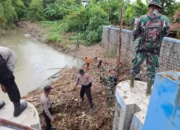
77, 82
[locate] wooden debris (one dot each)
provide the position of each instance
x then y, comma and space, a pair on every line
69, 113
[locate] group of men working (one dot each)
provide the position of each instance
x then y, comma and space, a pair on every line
149, 32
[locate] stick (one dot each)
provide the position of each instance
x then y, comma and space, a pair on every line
54, 75
120, 39
10, 124
54, 68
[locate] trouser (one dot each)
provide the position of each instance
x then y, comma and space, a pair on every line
7, 79
86, 89
48, 120
100, 63
151, 63
87, 66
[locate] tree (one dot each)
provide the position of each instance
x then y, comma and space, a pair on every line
169, 7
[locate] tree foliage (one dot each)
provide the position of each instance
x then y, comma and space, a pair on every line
7, 14
73, 16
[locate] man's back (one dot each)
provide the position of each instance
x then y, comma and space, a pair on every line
9, 56
150, 31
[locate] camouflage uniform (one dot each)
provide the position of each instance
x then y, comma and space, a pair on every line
148, 47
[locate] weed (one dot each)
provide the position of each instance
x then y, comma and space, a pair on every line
53, 37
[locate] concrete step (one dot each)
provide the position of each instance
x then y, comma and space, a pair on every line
29, 117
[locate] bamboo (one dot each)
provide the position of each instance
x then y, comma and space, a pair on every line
120, 39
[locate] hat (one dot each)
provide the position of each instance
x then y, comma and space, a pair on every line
47, 88
156, 3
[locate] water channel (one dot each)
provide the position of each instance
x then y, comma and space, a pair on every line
36, 61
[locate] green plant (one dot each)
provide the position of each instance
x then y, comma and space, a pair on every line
7, 14
53, 37
133, 10
19, 8
178, 34
35, 10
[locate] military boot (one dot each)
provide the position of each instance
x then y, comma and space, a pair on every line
149, 86
19, 108
132, 78
2, 104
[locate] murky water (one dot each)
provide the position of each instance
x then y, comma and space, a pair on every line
36, 61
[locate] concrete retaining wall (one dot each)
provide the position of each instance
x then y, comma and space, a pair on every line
169, 57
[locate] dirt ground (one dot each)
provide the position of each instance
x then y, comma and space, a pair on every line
69, 113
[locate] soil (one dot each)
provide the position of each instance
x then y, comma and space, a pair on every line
68, 112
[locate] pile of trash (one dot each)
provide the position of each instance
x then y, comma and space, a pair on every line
68, 112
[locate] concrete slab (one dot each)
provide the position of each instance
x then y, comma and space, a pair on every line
28, 118
131, 101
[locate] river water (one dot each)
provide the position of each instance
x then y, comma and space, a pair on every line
36, 61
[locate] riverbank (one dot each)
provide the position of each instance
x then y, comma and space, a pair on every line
67, 110
66, 45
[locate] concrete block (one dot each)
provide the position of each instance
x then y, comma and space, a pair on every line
164, 107
28, 118
130, 101
116, 116
138, 121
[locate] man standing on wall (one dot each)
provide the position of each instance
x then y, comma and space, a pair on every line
149, 32
7, 80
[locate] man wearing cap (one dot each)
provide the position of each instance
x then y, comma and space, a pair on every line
86, 83
47, 107
7, 80
149, 32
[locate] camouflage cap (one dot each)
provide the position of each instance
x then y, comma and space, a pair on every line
156, 3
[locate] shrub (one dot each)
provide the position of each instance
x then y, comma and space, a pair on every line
53, 37
7, 14
19, 8
35, 10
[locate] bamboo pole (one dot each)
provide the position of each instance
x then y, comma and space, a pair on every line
120, 39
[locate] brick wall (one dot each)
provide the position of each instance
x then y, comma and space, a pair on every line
170, 51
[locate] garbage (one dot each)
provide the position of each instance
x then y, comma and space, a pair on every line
69, 114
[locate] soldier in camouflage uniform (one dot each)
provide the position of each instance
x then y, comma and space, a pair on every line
149, 32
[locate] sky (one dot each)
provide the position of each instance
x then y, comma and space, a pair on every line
145, 0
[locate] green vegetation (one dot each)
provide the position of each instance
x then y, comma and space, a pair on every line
86, 22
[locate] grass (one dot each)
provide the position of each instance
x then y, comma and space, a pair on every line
56, 33
53, 37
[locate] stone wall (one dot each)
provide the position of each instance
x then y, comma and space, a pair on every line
169, 56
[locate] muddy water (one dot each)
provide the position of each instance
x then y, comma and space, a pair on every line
36, 61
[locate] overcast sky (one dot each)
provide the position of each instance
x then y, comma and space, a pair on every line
145, 0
